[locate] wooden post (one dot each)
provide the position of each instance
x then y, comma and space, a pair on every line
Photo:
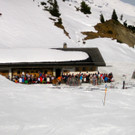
123, 85
54, 72
10, 73
124, 78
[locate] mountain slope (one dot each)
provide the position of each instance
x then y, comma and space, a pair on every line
24, 24
112, 29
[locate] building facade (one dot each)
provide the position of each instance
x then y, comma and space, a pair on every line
58, 68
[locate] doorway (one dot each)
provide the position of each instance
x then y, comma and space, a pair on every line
58, 72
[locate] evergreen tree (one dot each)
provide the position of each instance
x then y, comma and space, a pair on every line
125, 23
102, 18
43, 3
114, 15
85, 8
121, 17
54, 9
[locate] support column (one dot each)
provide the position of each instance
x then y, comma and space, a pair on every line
10, 74
54, 72
97, 68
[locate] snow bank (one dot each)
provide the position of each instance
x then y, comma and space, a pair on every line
44, 109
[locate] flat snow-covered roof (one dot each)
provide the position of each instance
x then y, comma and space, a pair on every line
39, 55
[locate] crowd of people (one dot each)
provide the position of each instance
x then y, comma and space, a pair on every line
69, 79
94, 79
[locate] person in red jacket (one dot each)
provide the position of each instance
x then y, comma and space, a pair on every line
41, 79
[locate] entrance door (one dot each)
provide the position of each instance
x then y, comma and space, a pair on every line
58, 72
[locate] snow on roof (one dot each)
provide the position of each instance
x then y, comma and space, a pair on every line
39, 55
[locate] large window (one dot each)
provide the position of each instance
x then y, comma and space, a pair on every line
77, 69
86, 69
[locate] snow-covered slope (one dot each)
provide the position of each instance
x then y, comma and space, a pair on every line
24, 24
25, 32
65, 110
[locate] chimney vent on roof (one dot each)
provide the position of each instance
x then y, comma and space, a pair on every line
65, 45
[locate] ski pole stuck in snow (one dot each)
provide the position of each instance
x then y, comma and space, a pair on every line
105, 94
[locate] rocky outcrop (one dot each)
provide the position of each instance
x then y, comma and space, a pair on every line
112, 29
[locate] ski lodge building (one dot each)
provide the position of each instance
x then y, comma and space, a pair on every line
56, 68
